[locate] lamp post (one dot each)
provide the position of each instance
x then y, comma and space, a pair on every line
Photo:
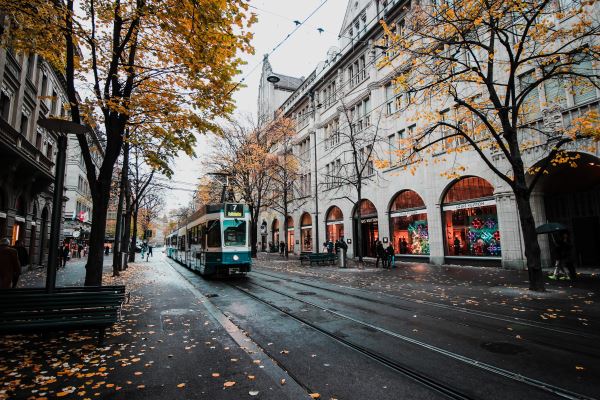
62, 128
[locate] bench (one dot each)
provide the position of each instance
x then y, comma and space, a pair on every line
319, 259
27, 310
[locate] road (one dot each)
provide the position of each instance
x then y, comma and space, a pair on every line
364, 343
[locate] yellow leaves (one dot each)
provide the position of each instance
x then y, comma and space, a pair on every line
181, 385
579, 368
228, 384
315, 396
215, 374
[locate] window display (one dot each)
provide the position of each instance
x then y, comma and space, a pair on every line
408, 224
306, 232
334, 224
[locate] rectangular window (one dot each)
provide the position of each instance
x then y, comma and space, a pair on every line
53, 105
234, 232
392, 148
583, 90
4, 106
530, 108
24, 124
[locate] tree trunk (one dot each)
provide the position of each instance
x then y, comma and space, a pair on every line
95, 261
359, 226
253, 232
134, 233
532, 246
127, 228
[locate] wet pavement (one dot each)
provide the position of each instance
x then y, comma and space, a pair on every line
287, 331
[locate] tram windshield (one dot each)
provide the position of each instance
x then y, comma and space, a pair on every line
234, 232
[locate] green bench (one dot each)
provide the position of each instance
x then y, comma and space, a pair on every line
68, 308
319, 259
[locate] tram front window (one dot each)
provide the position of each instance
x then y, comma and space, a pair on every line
213, 234
234, 232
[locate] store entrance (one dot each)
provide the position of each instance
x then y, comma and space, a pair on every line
572, 198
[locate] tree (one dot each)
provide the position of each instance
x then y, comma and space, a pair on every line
166, 66
244, 153
486, 61
283, 166
354, 142
150, 208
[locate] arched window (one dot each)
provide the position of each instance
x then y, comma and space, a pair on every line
369, 228
290, 234
470, 219
334, 214
275, 235
334, 222
306, 232
409, 231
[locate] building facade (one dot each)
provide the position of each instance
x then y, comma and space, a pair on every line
30, 89
426, 214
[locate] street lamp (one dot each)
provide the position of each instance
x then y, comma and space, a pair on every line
62, 128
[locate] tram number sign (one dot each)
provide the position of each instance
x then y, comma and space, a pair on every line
234, 210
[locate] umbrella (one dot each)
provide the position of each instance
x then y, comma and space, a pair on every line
550, 227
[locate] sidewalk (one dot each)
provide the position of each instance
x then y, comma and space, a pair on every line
167, 346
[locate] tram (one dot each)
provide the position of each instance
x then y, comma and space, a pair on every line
213, 241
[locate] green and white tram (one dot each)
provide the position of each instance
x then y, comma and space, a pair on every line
214, 240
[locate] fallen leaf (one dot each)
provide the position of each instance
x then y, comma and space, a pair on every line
282, 381
251, 377
216, 374
229, 384
253, 393
181, 385
579, 368
315, 396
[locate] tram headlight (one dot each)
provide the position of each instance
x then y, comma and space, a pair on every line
236, 257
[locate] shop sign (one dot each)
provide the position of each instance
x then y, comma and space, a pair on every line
366, 220
234, 210
335, 222
407, 213
472, 204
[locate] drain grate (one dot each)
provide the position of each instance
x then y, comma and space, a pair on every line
503, 348
306, 293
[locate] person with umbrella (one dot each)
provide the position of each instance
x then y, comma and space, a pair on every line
563, 259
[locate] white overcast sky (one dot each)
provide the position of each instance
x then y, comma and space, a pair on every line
298, 56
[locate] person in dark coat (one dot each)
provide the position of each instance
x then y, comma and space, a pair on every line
563, 259
10, 268
380, 251
65, 252
391, 256
330, 246
22, 253
403, 246
281, 248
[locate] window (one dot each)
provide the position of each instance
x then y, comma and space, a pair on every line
446, 132
49, 151
531, 104
583, 90
4, 106
392, 148
53, 105
213, 234
30, 63
393, 100
357, 71
38, 140
234, 232
24, 124
360, 115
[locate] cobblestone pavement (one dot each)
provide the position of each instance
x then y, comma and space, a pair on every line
166, 346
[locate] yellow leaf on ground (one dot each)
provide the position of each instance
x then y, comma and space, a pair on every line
251, 377
62, 394
315, 396
229, 384
216, 374
181, 385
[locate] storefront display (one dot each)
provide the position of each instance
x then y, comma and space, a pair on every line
408, 224
306, 232
334, 224
471, 220
290, 234
370, 228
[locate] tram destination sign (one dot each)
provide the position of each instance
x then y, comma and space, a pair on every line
234, 210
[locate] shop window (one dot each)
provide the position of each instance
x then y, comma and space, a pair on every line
369, 228
471, 220
334, 224
290, 234
409, 231
306, 232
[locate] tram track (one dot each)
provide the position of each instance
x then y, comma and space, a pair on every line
427, 381
485, 314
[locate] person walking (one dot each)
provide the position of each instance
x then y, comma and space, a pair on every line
324, 250
403, 246
330, 246
563, 259
149, 252
281, 248
10, 268
22, 253
65, 252
380, 252
391, 256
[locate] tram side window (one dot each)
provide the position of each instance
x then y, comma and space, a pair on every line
213, 234
234, 232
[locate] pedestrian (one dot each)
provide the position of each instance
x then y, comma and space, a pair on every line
10, 268
281, 248
86, 249
149, 252
563, 259
330, 246
106, 250
65, 254
380, 252
336, 246
80, 250
324, 247
403, 246
22, 253
391, 256
456, 246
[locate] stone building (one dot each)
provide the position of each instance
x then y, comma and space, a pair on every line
427, 216
30, 89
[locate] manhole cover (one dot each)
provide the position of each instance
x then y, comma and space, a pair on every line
212, 295
306, 293
503, 348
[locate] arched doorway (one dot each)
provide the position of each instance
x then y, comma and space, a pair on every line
409, 232
275, 235
572, 198
290, 234
470, 219
306, 238
370, 228
43, 235
3, 210
334, 228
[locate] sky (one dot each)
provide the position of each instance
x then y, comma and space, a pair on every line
297, 56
